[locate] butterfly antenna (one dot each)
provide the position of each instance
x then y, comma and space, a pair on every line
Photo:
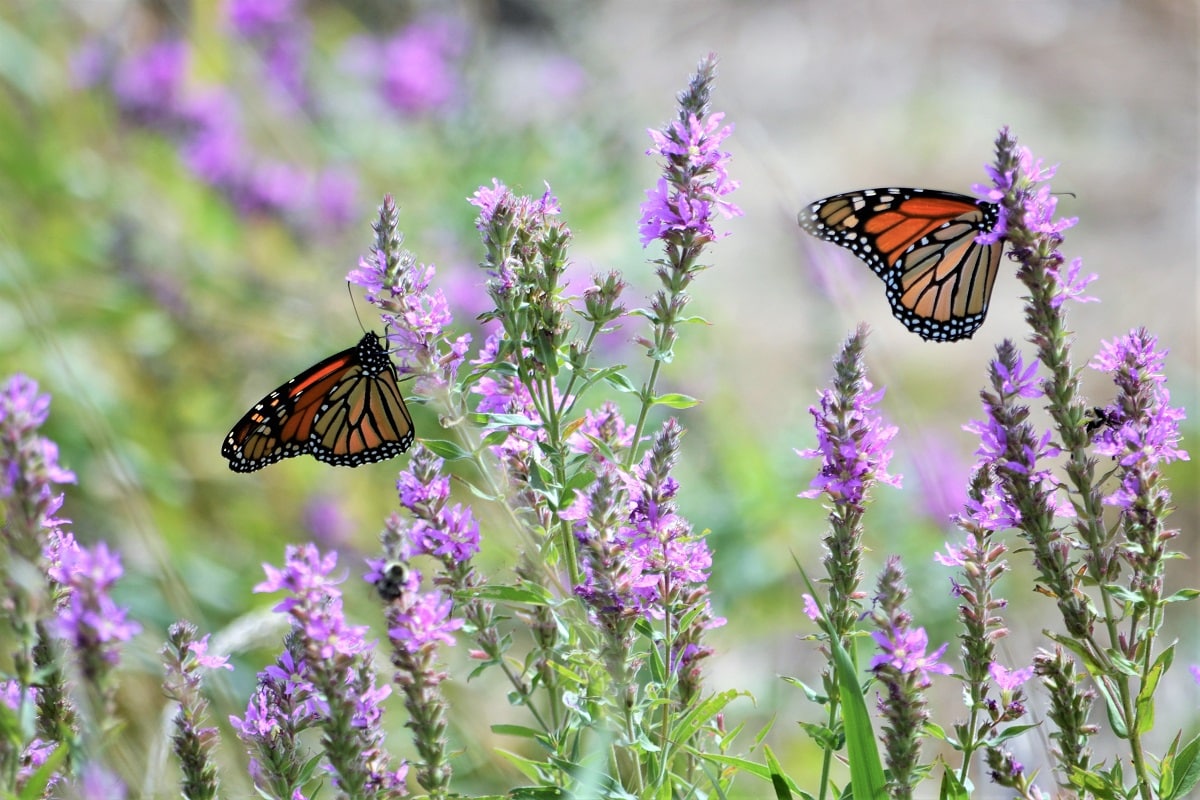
354, 305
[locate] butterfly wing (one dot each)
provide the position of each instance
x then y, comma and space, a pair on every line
922, 244
363, 418
346, 410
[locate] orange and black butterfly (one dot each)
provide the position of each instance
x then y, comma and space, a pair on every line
922, 244
346, 410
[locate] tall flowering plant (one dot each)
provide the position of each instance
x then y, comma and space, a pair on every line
1103, 574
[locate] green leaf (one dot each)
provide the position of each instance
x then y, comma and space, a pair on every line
699, 715
866, 770
1185, 771
867, 780
509, 421
825, 738
523, 593
1144, 714
1124, 595
1182, 596
451, 451
675, 400
515, 730
755, 769
619, 382
809, 692
778, 778
1008, 733
1115, 720
481, 493
951, 788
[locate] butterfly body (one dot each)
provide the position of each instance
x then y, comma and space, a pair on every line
922, 243
347, 410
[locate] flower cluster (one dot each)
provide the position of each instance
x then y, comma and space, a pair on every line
29, 468
416, 319
283, 705
639, 557
185, 655
852, 444
902, 668
339, 666
87, 616
1143, 436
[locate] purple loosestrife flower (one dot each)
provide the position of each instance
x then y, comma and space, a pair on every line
904, 651
417, 624
87, 617
607, 428
1034, 237
696, 182
902, 668
1012, 463
678, 211
852, 443
641, 559
193, 744
417, 319
284, 704
447, 532
1144, 437
340, 667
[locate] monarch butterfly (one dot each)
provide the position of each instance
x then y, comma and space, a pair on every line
346, 410
921, 243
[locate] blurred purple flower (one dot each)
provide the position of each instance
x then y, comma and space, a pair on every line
258, 17
336, 196
327, 522
420, 75
563, 77
276, 186
90, 64
94, 780
214, 148
148, 85
939, 470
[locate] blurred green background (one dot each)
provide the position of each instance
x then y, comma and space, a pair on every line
156, 306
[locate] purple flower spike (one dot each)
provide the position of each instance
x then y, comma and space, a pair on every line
696, 184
